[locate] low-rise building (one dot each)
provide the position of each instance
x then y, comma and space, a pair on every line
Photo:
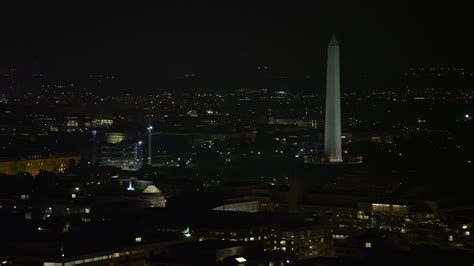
34, 164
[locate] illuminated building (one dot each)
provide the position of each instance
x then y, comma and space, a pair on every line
154, 196
304, 241
292, 122
218, 252
389, 208
249, 206
130, 194
102, 122
34, 164
117, 149
304, 238
72, 123
332, 124
124, 155
132, 248
115, 137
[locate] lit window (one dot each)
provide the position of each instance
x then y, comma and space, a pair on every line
368, 245
240, 259
380, 207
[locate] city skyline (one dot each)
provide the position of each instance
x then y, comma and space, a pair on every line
195, 133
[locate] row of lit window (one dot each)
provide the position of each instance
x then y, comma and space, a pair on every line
89, 260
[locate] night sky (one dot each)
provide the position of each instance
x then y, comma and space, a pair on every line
224, 41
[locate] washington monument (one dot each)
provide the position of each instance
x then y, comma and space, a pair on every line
332, 124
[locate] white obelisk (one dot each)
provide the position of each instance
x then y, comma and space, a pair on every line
332, 129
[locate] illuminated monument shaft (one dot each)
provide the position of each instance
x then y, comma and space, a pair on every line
332, 129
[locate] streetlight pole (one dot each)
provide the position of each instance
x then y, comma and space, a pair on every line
94, 148
149, 128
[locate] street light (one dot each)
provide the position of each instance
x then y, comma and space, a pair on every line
149, 128
467, 117
94, 148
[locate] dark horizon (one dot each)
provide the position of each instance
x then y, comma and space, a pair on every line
153, 46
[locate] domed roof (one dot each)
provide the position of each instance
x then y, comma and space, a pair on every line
151, 189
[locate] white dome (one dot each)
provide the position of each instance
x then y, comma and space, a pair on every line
151, 189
